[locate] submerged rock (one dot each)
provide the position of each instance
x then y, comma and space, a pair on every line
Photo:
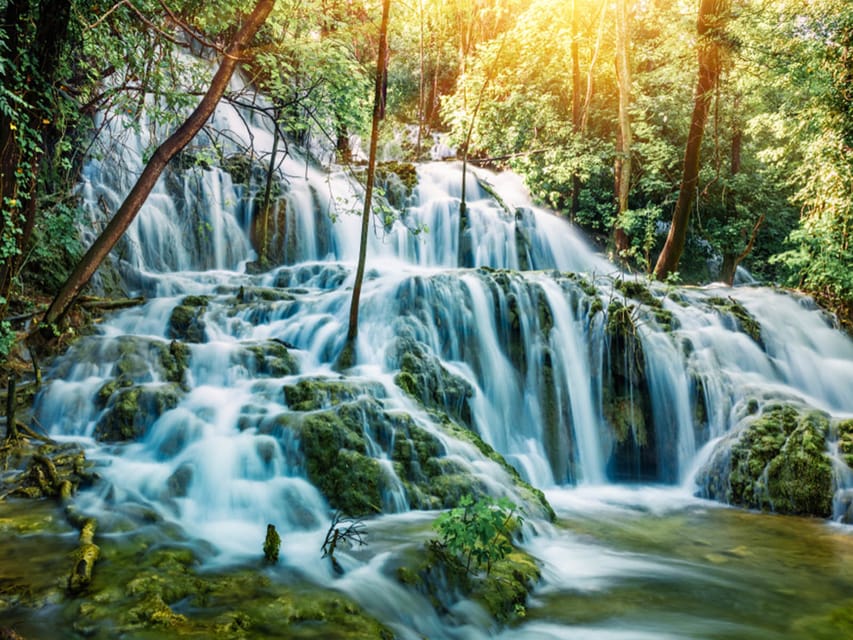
777, 461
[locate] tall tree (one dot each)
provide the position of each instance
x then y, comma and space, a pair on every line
165, 152
33, 38
713, 15
347, 355
622, 164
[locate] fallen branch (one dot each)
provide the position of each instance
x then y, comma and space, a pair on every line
105, 304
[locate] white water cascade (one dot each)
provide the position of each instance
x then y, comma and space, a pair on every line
511, 314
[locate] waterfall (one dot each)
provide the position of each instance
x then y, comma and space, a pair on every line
510, 323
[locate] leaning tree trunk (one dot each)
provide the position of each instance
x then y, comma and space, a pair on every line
712, 16
136, 198
348, 354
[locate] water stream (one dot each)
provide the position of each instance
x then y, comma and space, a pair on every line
513, 309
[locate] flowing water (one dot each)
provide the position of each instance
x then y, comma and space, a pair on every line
498, 303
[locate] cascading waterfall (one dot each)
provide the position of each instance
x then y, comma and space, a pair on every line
517, 337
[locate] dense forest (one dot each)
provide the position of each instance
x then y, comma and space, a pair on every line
728, 122
446, 319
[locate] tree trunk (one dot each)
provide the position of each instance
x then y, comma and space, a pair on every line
712, 18
730, 260
165, 152
348, 354
576, 106
622, 164
42, 48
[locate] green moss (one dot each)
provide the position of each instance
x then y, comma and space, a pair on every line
131, 410
310, 394
186, 322
845, 440
777, 462
336, 462
424, 378
743, 318
271, 358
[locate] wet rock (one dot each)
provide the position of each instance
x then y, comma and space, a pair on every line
186, 322
424, 378
311, 394
336, 462
776, 461
740, 318
268, 358
130, 411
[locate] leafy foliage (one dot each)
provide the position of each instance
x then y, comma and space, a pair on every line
478, 533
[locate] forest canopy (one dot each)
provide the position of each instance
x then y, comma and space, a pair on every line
593, 102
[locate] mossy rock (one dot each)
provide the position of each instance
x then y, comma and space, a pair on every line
310, 394
503, 591
845, 441
130, 411
267, 358
186, 321
744, 320
336, 462
776, 462
423, 377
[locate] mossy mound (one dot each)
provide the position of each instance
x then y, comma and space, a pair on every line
342, 431
186, 322
399, 180
777, 462
444, 581
635, 453
743, 320
267, 358
845, 441
424, 378
652, 306
149, 583
130, 410
135, 359
311, 394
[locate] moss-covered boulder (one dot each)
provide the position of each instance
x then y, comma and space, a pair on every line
268, 358
186, 321
734, 313
337, 463
310, 394
777, 461
423, 377
131, 410
845, 441
626, 406
503, 591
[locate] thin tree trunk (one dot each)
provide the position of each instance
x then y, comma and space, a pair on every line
576, 106
730, 260
165, 152
265, 203
589, 84
712, 16
421, 80
347, 356
622, 164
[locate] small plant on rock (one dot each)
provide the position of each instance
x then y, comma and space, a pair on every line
478, 533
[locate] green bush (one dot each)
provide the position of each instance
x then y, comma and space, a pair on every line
478, 533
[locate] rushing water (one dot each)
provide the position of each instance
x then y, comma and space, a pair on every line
493, 301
